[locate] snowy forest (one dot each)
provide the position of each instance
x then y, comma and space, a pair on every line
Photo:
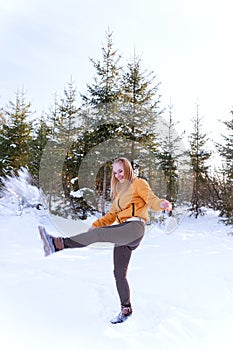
69, 149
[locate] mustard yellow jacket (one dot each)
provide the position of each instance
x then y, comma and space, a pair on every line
135, 201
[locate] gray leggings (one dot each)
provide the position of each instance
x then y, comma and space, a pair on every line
126, 237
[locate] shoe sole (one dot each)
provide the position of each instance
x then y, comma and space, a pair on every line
47, 243
120, 319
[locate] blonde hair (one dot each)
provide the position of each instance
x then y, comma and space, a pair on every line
128, 174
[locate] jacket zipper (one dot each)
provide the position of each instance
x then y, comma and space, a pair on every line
118, 203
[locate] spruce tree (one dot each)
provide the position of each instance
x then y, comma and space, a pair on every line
141, 100
105, 88
16, 134
198, 157
170, 153
2, 141
59, 161
67, 133
226, 151
102, 96
41, 133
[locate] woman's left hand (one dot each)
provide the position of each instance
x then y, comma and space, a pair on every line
166, 205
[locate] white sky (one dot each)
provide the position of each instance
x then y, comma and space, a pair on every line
187, 43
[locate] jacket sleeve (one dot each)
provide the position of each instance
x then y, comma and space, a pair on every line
146, 193
108, 218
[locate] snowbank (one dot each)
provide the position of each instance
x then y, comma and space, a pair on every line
181, 286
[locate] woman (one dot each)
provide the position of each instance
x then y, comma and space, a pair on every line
132, 197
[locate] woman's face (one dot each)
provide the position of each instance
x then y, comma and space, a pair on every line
118, 171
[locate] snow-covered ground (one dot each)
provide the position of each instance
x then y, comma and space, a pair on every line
181, 287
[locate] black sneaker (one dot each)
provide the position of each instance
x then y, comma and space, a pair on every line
126, 312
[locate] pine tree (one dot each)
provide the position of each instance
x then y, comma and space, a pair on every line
52, 157
106, 86
59, 161
198, 157
101, 97
16, 135
41, 133
170, 153
226, 151
67, 133
141, 102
